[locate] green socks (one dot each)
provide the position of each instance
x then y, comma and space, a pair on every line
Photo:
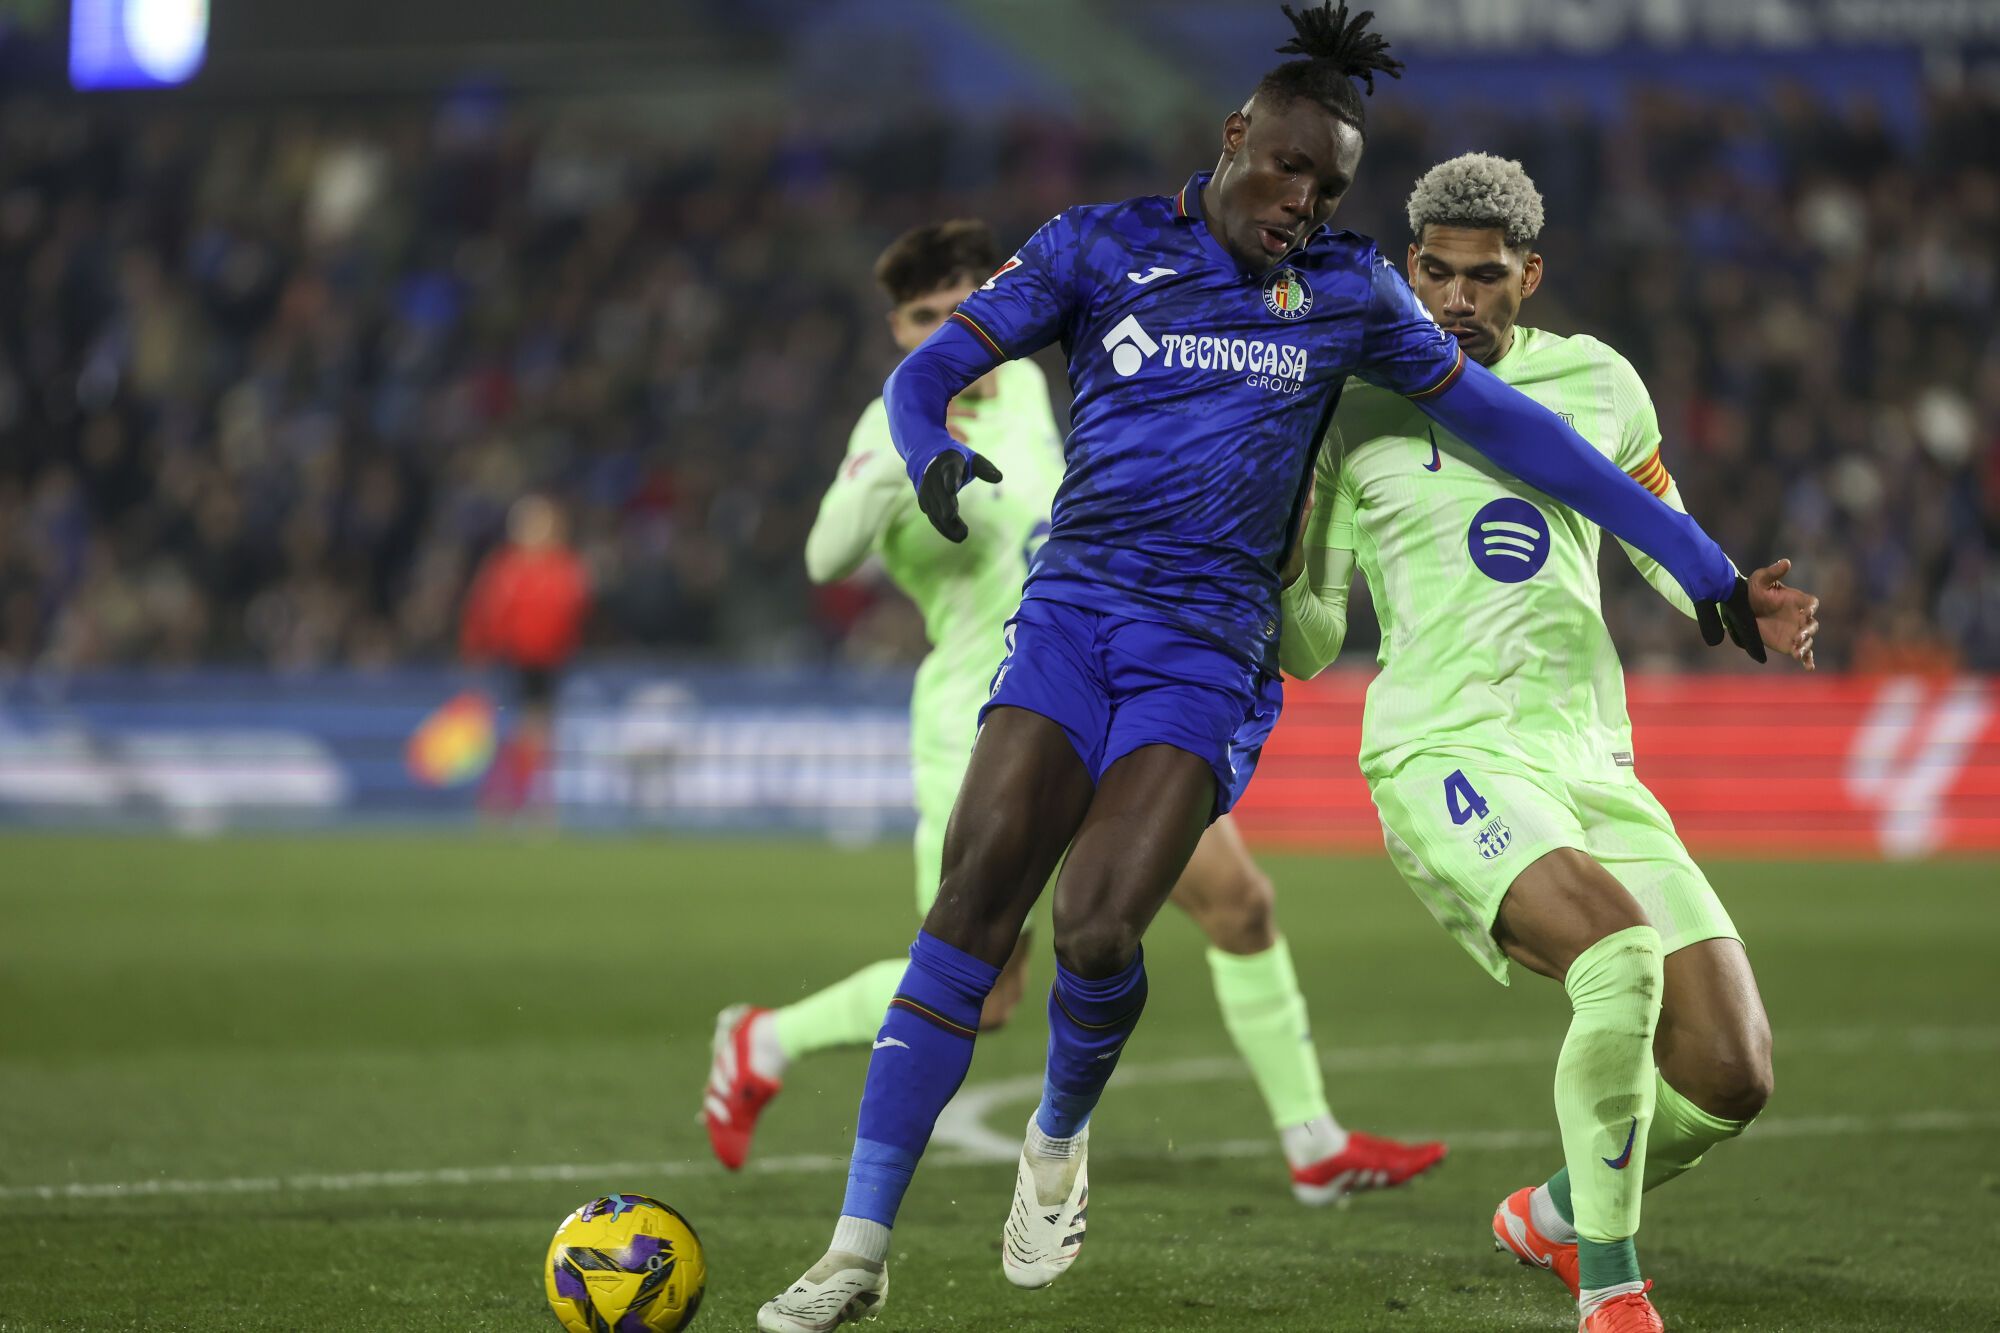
1266, 1017
1681, 1134
847, 1013
1604, 1088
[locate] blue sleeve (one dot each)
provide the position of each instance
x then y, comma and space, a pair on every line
1028, 303
1402, 348
919, 390
1533, 443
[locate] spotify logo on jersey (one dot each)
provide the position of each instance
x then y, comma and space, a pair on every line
1509, 540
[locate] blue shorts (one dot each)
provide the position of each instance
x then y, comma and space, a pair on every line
1114, 685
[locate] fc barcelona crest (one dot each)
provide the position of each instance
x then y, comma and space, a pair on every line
1286, 294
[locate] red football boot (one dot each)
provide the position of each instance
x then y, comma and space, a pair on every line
736, 1093
1366, 1163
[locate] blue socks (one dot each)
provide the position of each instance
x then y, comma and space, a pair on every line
925, 1047
920, 1058
1088, 1024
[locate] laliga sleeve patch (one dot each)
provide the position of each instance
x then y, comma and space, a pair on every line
1000, 273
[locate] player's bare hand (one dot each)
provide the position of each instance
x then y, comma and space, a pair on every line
1787, 618
1731, 618
1295, 559
955, 411
937, 494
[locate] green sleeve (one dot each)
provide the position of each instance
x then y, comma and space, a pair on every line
1333, 499
868, 494
1315, 603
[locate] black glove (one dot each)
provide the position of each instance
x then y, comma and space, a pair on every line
937, 493
1734, 615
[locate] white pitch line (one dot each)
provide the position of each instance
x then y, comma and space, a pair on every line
1466, 1140
963, 1139
964, 1124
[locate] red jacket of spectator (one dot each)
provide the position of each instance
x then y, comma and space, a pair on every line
526, 607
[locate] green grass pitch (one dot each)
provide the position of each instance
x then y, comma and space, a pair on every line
352, 1083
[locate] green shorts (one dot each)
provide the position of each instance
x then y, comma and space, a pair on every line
1460, 827
936, 789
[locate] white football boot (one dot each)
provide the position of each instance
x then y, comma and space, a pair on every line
839, 1289
1044, 1228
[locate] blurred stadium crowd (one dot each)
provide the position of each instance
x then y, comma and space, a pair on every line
269, 383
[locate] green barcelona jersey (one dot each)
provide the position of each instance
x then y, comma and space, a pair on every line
966, 591
1493, 635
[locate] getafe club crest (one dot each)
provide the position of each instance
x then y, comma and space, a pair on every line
1286, 294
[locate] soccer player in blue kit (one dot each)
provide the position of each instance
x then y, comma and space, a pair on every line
1208, 335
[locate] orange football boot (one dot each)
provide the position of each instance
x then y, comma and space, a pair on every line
1514, 1231
1630, 1313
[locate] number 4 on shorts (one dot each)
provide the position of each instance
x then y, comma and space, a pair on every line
1460, 799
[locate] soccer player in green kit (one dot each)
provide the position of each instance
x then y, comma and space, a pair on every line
1496, 744
966, 592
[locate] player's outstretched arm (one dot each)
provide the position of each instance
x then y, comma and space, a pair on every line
1787, 618
917, 394
1016, 312
1405, 352
1540, 448
1765, 613
1656, 573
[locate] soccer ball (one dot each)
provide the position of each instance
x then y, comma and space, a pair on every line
625, 1264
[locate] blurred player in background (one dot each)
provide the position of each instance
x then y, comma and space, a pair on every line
1208, 335
525, 610
1496, 744
966, 591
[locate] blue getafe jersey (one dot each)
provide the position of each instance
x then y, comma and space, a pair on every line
1202, 392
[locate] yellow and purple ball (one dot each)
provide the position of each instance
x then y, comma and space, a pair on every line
625, 1263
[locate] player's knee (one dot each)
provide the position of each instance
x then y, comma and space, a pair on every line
1097, 948
962, 924
1243, 920
1739, 1085
976, 909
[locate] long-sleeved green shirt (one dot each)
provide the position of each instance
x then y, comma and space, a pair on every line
1493, 635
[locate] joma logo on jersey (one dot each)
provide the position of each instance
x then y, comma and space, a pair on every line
1264, 365
1129, 345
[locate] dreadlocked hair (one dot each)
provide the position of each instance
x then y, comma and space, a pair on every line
1338, 49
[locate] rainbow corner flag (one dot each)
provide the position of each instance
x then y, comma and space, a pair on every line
455, 744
